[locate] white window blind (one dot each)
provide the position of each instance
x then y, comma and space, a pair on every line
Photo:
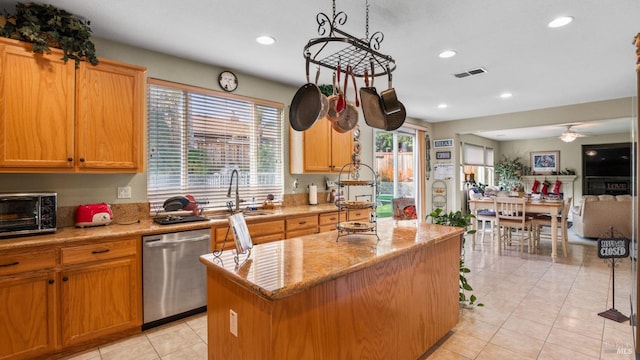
488, 156
197, 137
472, 155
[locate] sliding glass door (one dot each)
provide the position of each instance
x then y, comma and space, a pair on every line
395, 162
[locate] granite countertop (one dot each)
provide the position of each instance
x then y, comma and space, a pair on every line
147, 226
282, 268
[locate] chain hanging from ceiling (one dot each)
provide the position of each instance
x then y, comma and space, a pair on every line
336, 47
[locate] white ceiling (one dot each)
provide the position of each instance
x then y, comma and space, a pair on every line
591, 59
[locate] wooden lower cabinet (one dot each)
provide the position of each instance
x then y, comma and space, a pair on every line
261, 232
53, 299
301, 225
329, 221
27, 310
360, 214
98, 299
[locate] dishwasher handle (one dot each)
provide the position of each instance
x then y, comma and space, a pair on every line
162, 243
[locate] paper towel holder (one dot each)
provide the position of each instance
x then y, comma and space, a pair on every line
313, 194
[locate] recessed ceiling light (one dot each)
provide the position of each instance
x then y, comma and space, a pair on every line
447, 54
560, 21
506, 95
442, 106
266, 40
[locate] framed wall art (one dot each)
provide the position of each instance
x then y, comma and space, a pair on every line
545, 162
443, 155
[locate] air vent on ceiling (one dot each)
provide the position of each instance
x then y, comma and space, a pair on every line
470, 72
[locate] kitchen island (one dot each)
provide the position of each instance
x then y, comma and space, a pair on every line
313, 297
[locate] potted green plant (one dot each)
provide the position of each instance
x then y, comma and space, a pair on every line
46, 26
458, 219
509, 173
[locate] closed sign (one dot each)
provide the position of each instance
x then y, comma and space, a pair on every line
613, 248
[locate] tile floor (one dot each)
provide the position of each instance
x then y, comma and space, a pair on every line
533, 309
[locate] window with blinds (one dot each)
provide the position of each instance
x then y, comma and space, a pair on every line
197, 137
478, 160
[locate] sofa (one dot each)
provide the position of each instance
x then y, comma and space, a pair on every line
596, 214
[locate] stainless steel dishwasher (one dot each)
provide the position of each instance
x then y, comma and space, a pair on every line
174, 281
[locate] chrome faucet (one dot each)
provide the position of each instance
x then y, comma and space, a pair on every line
229, 191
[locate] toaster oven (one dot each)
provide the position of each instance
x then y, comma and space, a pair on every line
27, 213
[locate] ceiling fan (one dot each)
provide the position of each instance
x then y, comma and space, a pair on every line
570, 135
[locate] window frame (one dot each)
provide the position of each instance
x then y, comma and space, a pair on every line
216, 137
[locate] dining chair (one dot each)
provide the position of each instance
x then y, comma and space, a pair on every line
511, 214
485, 216
540, 220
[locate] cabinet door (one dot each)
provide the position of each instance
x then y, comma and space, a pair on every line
341, 149
317, 147
99, 299
36, 109
260, 232
27, 327
110, 117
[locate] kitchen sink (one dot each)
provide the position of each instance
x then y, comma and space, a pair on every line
255, 213
246, 213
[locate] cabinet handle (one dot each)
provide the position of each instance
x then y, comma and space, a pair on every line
10, 264
69, 159
81, 159
302, 222
65, 278
100, 251
50, 281
333, 219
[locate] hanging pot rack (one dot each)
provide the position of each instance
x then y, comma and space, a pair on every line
336, 46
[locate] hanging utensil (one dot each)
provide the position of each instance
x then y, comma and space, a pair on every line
350, 119
332, 114
395, 120
371, 107
389, 98
324, 101
341, 104
306, 105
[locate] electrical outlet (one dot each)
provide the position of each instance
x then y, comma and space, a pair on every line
233, 322
124, 192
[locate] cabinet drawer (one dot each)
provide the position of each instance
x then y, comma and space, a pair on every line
328, 227
29, 261
302, 222
359, 214
267, 238
302, 232
95, 252
259, 230
332, 218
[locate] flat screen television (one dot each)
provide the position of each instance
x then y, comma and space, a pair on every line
607, 160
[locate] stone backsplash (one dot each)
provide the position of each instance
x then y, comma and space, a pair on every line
126, 213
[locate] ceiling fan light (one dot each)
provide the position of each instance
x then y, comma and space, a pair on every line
568, 136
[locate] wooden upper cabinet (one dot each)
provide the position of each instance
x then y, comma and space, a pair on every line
110, 116
36, 109
56, 118
319, 149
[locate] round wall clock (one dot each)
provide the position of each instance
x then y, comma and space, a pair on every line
228, 81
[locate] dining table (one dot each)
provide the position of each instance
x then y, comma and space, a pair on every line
551, 207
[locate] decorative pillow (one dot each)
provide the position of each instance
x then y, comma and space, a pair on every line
586, 198
623, 198
606, 197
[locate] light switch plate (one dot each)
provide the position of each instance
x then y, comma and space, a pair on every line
124, 192
233, 322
